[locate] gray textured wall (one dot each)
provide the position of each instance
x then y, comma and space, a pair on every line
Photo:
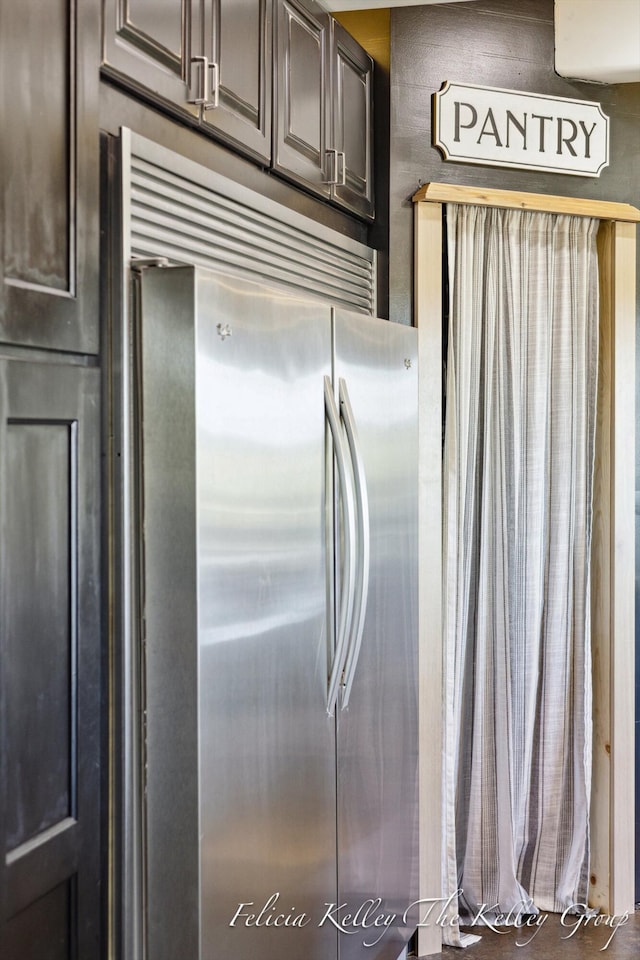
494, 43
497, 43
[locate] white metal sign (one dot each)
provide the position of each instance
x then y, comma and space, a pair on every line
508, 128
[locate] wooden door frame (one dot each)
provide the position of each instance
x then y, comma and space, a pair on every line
613, 538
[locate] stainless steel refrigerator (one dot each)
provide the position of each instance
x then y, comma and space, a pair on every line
277, 496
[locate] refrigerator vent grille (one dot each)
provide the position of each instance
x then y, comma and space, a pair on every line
182, 211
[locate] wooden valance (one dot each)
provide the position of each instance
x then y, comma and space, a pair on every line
515, 200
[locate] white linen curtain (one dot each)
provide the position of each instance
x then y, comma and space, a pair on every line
518, 471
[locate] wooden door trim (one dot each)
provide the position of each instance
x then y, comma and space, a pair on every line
613, 541
428, 319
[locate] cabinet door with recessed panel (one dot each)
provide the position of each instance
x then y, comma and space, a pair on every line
49, 175
352, 121
237, 44
154, 47
302, 97
50, 650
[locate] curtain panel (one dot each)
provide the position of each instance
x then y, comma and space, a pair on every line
520, 416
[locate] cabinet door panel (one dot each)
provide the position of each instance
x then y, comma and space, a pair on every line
238, 38
49, 229
352, 121
149, 44
302, 97
157, 25
50, 649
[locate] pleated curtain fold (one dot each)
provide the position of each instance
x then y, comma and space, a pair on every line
521, 383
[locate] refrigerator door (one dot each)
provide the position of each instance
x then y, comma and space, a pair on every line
243, 469
377, 372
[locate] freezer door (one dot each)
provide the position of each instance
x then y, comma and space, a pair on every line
376, 370
236, 482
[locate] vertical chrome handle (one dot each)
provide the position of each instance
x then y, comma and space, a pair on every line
341, 178
209, 75
363, 542
333, 179
204, 81
348, 576
213, 100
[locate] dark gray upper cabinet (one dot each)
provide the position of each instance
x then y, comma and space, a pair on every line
302, 95
352, 99
297, 97
49, 175
156, 46
323, 104
209, 59
237, 45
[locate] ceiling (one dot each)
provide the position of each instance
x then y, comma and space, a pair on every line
596, 40
336, 6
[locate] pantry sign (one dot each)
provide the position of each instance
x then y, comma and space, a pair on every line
509, 128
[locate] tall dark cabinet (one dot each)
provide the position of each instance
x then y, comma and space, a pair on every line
50, 483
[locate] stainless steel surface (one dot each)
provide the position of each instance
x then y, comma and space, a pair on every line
164, 361
266, 745
346, 577
232, 441
363, 552
267, 769
267, 224
377, 735
127, 873
181, 210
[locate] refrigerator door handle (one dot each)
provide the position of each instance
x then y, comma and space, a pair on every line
349, 526
363, 543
